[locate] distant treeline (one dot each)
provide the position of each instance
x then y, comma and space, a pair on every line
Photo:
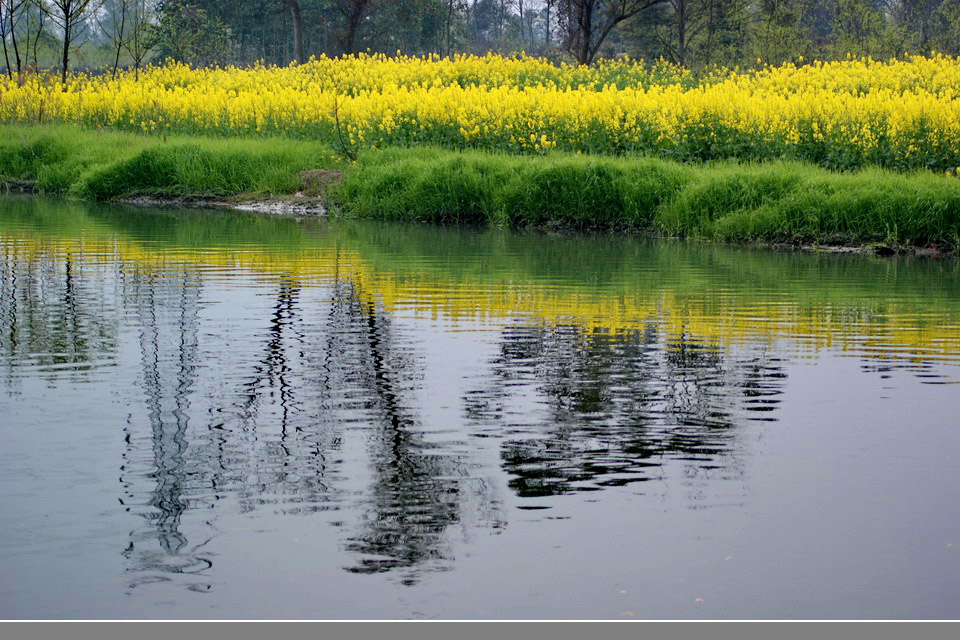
64, 34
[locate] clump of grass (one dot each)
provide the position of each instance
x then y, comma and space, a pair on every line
496, 189
725, 190
46, 160
792, 202
193, 170
425, 186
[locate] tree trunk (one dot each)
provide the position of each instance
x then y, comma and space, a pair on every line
586, 24
449, 21
6, 59
350, 44
681, 32
523, 42
3, 34
120, 36
549, 5
13, 38
36, 43
66, 55
294, 6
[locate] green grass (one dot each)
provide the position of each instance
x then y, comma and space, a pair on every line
783, 202
104, 165
501, 190
797, 203
787, 202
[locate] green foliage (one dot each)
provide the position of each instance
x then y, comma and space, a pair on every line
589, 191
766, 202
190, 169
793, 202
426, 185
189, 33
108, 165
772, 202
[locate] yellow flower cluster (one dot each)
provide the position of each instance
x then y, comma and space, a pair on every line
902, 113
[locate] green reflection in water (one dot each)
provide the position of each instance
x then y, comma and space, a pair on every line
876, 307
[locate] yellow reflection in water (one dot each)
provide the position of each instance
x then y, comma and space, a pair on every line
871, 325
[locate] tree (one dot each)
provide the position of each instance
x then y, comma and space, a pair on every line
354, 12
949, 33
11, 11
782, 30
3, 37
858, 27
587, 23
297, 16
694, 33
113, 24
142, 36
687, 18
186, 32
547, 21
71, 17
448, 27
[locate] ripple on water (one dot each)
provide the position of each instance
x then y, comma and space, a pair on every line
392, 393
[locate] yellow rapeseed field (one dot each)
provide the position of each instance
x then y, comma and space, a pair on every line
901, 113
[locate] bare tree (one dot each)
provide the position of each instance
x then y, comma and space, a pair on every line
34, 17
297, 16
71, 17
686, 20
113, 25
547, 21
141, 34
587, 23
523, 39
3, 37
11, 11
448, 27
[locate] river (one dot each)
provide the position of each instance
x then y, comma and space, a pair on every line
223, 415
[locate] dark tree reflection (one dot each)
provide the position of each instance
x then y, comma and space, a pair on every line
612, 406
55, 312
167, 305
419, 489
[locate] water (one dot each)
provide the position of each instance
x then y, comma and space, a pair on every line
220, 415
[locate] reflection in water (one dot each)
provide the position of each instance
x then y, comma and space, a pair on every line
167, 307
55, 313
275, 368
414, 491
617, 404
418, 489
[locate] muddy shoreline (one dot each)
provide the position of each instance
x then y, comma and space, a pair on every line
297, 205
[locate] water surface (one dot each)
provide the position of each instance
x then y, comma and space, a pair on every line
222, 415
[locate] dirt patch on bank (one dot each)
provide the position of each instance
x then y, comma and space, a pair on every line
315, 182
296, 205
311, 200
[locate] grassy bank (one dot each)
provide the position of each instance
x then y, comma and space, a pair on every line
107, 165
782, 202
771, 202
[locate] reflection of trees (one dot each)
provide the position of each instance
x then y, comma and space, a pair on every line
610, 407
167, 306
280, 410
261, 444
52, 311
278, 405
418, 490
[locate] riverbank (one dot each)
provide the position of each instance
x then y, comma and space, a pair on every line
787, 203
